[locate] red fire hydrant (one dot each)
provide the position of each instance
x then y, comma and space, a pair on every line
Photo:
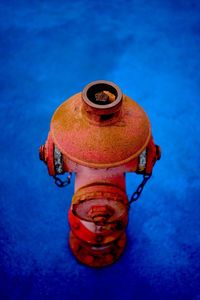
99, 134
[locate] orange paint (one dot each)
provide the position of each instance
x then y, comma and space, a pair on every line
99, 134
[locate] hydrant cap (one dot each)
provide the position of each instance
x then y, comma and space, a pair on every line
101, 135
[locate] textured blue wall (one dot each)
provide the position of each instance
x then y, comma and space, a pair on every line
51, 50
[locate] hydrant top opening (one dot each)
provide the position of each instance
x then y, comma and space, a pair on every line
102, 94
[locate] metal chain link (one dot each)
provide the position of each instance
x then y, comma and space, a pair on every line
139, 189
60, 183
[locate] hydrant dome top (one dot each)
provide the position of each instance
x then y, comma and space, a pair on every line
100, 127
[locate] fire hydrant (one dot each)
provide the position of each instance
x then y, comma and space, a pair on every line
99, 134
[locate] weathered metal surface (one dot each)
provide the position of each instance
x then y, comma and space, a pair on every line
96, 255
92, 233
58, 161
100, 134
101, 195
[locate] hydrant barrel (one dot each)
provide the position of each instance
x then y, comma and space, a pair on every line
99, 134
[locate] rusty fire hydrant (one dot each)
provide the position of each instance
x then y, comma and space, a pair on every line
99, 134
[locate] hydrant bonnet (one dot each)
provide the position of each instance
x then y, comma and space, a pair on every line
100, 142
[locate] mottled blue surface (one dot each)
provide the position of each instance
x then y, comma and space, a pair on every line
51, 50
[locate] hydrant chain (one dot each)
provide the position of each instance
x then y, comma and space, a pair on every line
60, 183
139, 189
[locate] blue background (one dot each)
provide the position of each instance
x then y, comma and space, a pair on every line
51, 50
